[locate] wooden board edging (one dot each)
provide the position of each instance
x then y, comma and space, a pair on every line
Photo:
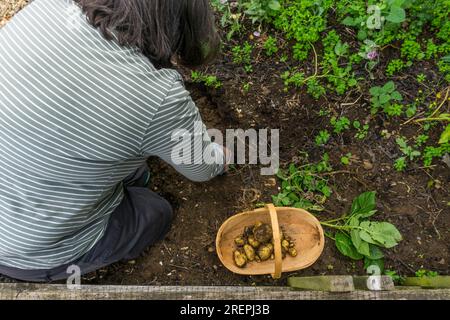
30, 291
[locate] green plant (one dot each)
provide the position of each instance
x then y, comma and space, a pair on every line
421, 78
315, 89
383, 97
363, 130
261, 10
296, 79
394, 66
302, 21
322, 138
395, 109
304, 186
270, 46
398, 279
345, 160
411, 50
409, 153
228, 19
431, 153
426, 273
246, 87
341, 124
359, 238
243, 55
208, 80
421, 139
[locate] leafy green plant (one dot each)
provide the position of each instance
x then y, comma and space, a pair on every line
394, 66
359, 238
341, 124
302, 21
304, 186
322, 138
383, 97
295, 79
315, 89
431, 153
426, 273
345, 160
208, 80
228, 19
243, 55
421, 78
270, 46
398, 279
409, 154
261, 10
363, 130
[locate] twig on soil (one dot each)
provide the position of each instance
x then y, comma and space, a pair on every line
180, 267
351, 103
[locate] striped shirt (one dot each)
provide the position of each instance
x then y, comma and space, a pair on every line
78, 114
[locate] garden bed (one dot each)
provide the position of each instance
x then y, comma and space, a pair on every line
415, 200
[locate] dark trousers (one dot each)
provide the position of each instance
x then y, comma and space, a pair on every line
140, 220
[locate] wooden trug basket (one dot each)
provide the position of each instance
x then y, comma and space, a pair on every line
304, 229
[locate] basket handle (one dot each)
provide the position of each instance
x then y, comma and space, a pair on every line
276, 240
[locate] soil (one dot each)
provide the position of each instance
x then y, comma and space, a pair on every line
421, 213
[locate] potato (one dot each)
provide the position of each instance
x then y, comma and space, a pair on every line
240, 258
285, 245
251, 240
263, 233
249, 252
239, 241
264, 252
292, 252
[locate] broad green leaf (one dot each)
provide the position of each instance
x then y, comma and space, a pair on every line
345, 246
445, 136
380, 233
375, 252
397, 15
364, 204
389, 87
396, 96
349, 21
375, 91
361, 246
362, 35
274, 5
384, 98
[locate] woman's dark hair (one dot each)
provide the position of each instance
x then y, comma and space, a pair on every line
161, 29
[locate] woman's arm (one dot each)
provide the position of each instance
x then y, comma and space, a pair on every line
171, 136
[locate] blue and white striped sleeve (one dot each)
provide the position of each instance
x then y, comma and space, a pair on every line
178, 136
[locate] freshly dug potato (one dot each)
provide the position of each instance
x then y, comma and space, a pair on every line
263, 233
292, 252
285, 245
264, 252
240, 258
249, 252
239, 241
257, 244
252, 241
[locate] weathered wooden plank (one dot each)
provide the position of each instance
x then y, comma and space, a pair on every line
323, 283
374, 283
27, 291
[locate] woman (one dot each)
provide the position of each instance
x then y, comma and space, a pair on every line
87, 94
